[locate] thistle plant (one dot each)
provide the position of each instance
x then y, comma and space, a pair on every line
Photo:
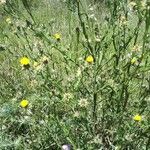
75, 74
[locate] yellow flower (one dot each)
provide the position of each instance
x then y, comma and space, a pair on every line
134, 60
57, 36
137, 118
90, 59
24, 61
24, 103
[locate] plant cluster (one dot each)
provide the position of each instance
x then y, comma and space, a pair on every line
75, 74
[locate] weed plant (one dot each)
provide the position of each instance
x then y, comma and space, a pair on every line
75, 72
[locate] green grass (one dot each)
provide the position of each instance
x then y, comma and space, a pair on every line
87, 105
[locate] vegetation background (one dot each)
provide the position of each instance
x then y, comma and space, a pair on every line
75, 72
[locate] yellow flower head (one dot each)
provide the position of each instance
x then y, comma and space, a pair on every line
24, 103
24, 61
134, 60
137, 118
90, 59
57, 36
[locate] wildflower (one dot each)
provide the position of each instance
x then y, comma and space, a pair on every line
66, 147
134, 60
8, 20
83, 103
137, 118
24, 103
57, 36
24, 61
90, 59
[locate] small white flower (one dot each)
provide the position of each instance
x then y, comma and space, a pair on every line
66, 147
